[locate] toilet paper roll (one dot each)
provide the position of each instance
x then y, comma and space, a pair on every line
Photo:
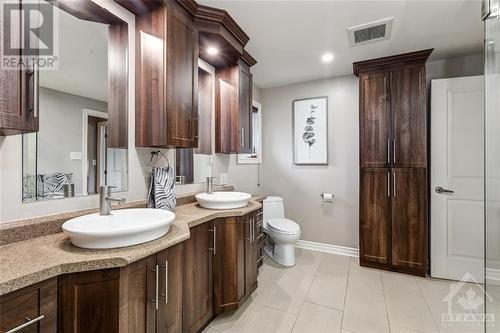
327, 197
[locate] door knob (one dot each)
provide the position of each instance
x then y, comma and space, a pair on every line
440, 189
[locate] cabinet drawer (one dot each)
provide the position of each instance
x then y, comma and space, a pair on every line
33, 307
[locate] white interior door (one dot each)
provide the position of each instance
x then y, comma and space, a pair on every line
457, 136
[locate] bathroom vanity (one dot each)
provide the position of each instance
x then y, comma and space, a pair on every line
206, 265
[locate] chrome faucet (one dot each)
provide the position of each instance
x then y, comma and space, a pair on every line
105, 200
210, 184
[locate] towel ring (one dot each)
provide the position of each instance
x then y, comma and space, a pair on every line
159, 155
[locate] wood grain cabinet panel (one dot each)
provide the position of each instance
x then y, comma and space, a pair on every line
166, 78
233, 109
169, 314
393, 162
409, 216
89, 301
197, 281
409, 117
18, 95
229, 264
36, 304
375, 215
375, 120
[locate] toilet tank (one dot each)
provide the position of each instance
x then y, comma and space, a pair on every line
272, 207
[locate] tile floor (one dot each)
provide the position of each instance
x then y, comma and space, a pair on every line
332, 293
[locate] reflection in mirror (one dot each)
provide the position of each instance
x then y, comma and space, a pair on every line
70, 155
255, 157
193, 166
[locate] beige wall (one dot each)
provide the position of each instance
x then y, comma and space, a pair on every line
300, 186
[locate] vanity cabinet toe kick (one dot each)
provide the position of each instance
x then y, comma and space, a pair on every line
179, 289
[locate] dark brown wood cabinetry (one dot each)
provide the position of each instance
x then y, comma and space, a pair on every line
235, 261
233, 109
18, 95
31, 309
393, 159
375, 215
166, 78
199, 250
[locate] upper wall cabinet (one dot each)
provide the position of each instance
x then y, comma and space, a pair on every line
233, 109
18, 95
393, 114
166, 77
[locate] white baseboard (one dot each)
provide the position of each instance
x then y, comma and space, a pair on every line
328, 248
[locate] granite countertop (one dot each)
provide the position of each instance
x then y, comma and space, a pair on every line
30, 261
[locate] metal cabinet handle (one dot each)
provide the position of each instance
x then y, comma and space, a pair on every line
394, 184
26, 324
388, 184
394, 151
166, 282
155, 301
242, 143
388, 151
214, 249
441, 189
249, 238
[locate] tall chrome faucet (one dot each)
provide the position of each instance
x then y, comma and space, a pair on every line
210, 184
105, 200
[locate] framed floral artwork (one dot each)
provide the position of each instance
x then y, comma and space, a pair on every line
310, 131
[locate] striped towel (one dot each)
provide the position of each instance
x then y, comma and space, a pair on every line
162, 189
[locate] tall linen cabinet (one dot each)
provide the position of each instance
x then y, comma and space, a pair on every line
393, 224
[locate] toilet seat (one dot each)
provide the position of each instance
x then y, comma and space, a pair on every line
283, 226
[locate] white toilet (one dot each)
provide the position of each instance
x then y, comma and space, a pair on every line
283, 232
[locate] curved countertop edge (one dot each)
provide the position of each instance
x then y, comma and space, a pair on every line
28, 262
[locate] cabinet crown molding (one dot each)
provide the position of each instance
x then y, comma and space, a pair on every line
416, 57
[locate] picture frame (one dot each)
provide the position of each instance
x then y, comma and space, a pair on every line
310, 131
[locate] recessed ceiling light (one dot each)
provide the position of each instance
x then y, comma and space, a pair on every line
327, 57
212, 50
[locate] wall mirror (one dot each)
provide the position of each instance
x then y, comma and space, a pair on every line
194, 165
82, 138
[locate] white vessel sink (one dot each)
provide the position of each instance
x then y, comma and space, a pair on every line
123, 227
223, 200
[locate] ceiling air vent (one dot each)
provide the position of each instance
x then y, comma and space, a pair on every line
370, 32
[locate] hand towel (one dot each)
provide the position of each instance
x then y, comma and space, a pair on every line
162, 189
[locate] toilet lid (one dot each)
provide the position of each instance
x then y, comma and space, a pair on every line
284, 225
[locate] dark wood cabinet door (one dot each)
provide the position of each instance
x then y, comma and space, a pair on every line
182, 77
409, 117
375, 216
227, 115
251, 257
229, 264
197, 280
150, 117
409, 219
18, 95
36, 304
245, 112
138, 293
169, 314
375, 120
89, 301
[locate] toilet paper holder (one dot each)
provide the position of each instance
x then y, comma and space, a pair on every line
327, 197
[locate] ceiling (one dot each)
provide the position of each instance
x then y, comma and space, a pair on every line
288, 38
83, 59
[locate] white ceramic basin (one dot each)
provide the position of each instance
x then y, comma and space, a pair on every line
123, 227
223, 200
